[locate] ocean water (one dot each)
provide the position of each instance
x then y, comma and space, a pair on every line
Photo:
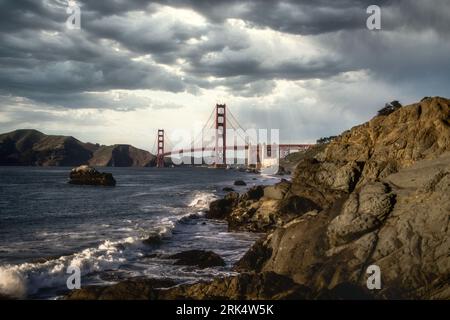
47, 225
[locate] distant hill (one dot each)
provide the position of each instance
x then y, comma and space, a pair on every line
121, 155
28, 147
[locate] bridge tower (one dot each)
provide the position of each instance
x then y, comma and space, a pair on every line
221, 135
160, 153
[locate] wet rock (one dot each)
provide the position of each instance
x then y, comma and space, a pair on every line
254, 258
254, 193
133, 289
228, 189
198, 258
221, 208
246, 286
240, 183
85, 175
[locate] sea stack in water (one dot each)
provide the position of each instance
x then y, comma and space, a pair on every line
86, 175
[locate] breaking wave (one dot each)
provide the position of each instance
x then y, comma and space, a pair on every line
202, 200
26, 279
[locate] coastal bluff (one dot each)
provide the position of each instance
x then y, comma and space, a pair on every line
375, 195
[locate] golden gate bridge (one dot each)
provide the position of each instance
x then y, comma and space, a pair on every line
219, 121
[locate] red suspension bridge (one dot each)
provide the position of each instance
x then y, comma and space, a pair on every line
212, 143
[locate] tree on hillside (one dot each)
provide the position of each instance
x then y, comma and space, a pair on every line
325, 139
389, 108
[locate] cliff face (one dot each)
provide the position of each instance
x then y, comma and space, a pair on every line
383, 192
33, 148
387, 143
376, 195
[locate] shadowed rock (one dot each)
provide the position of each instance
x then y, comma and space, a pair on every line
246, 286
221, 208
85, 175
133, 289
199, 258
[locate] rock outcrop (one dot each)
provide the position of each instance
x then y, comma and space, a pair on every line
381, 205
85, 175
376, 195
260, 209
199, 258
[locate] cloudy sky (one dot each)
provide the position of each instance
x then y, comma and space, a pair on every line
310, 68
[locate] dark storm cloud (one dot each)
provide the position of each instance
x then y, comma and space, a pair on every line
298, 17
55, 68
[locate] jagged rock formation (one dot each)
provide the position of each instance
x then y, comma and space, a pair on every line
33, 148
377, 194
199, 258
381, 205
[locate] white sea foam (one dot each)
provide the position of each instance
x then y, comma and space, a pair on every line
26, 278
202, 200
12, 283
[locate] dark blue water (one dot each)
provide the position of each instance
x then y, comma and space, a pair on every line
47, 225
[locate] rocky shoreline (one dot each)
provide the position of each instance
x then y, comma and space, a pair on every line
376, 195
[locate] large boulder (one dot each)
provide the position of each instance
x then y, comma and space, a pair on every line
221, 208
254, 193
85, 175
199, 258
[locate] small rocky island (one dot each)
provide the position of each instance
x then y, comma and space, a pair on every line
86, 175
